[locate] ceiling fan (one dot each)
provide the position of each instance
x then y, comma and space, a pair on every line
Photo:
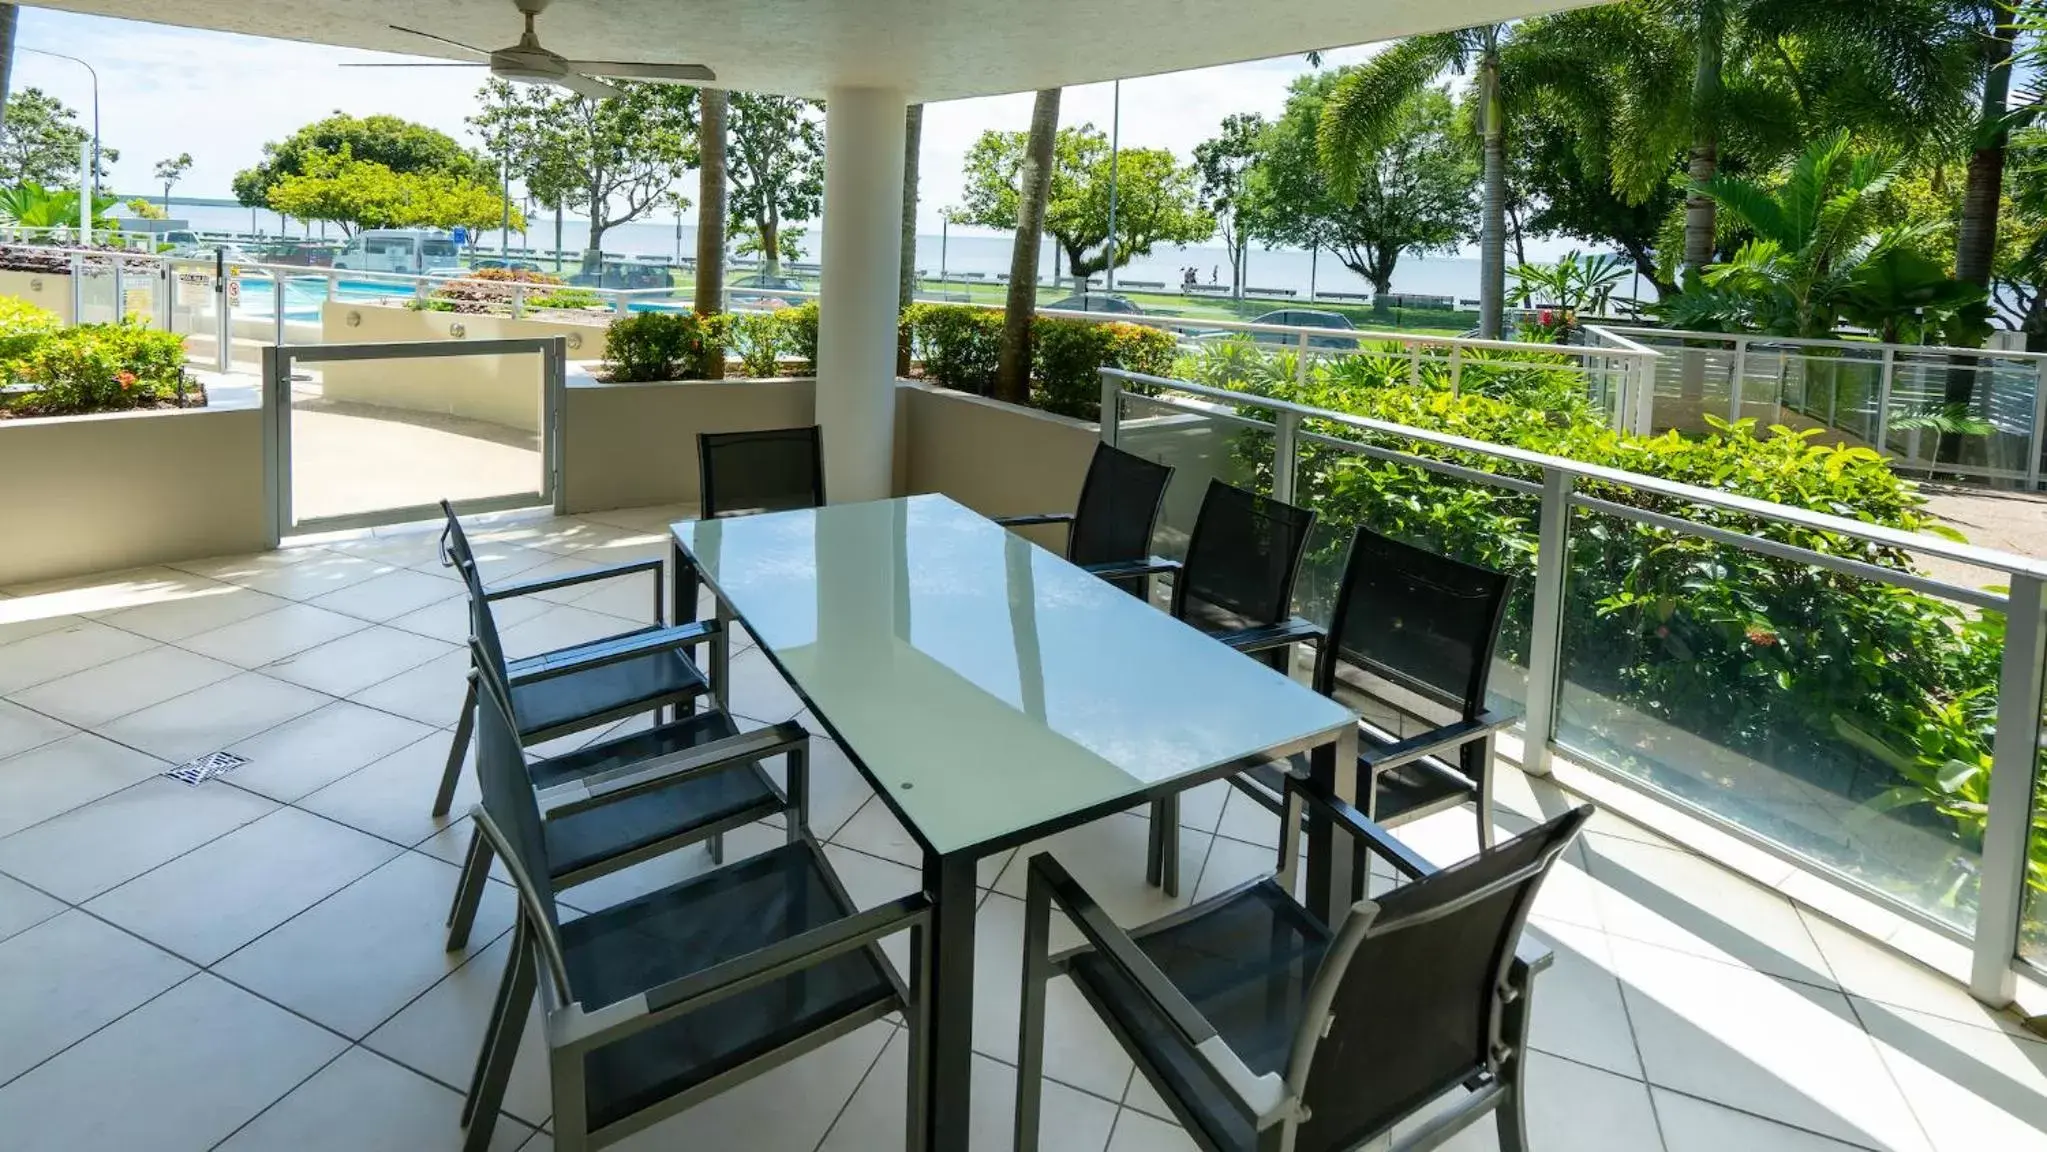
530, 62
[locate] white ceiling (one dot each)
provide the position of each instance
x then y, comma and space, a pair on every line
935, 49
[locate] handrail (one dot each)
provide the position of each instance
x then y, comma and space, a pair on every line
1877, 348
1800, 517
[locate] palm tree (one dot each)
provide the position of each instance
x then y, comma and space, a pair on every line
1365, 103
1013, 369
913, 143
710, 280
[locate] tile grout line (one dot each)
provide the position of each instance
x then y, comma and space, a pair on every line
839, 1116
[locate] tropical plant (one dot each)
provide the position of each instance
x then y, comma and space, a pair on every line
800, 323
1576, 283
774, 171
758, 337
30, 205
100, 368
1943, 420
643, 346
1363, 109
711, 200
22, 327
1071, 354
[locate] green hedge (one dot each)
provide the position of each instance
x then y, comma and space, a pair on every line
644, 346
102, 368
1861, 689
961, 344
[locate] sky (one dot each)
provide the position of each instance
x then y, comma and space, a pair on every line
165, 90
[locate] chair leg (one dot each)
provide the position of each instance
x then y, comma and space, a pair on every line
1484, 777
464, 724
1169, 846
1153, 875
915, 1018
717, 846
1030, 1041
500, 1043
469, 890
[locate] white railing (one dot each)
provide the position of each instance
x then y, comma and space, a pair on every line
1209, 431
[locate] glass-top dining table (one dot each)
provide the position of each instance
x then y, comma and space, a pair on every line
993, 694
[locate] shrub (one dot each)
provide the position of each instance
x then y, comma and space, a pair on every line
960, 344
483, 290
759, 337
800, 323
663, 345
567, 298
1067, 356
22, 327
104, 367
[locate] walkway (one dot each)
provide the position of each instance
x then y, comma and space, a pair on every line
255, 963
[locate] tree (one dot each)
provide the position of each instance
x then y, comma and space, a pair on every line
1033, 195
613, 160
1362, 111
710, 271
40, 142
394, 142
1155, 197
1416, 196
1573, 179
1223, 164
364, 194
906, 274
169, 172
775, 170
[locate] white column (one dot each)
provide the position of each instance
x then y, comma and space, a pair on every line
863, 227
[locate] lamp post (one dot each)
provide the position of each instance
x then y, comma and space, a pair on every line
1115, 138
92, 193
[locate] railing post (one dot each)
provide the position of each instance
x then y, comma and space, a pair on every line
167, 295
77, 288
518, 301
223, 312
1884, 381
1112, 407
1734, 385
2033, 446
1285, 435
1643, 384
420, 292
1301, 362
277, 293
619, 303
333, 286
1546, 637
1414, 364
120, 289
1456, 369
2015, 756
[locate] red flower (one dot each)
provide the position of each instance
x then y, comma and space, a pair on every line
126, 378
1546, 318
1760, 636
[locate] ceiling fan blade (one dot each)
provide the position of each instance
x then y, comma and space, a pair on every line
644, 70
583, 85
449, 64
442, 39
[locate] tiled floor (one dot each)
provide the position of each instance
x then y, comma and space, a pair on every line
256, 963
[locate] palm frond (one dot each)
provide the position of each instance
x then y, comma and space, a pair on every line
1365, 103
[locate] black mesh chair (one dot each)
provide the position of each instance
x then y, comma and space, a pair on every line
1265, 1030
772, 470
1109, 532
611, 805
576, 688
1236, 584
663, 1001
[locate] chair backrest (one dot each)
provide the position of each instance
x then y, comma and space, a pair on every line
1415, 984
1118, 509
1420, 621
489, 651
455, 549
772, 470
514, 811
1241, 560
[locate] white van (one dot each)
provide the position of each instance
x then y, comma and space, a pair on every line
415, 251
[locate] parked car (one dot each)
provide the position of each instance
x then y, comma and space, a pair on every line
501, 262
413, 251
1097, 302
1307, 318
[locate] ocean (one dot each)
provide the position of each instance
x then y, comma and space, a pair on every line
977, 252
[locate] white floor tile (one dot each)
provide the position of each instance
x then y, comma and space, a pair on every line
58, 777
563, 626
21, 619
1572, 1107
441, 1032
214, 717
1870, 971
96, 695
1972, 1088
218, 897
1107, 858
68, 976
448, 620
186, 1069
1069, 1121
358, 660
393, 797
22, 729
1137, 1132
201, 608
76, 646
315, 572
389, 596
333, 1112
1579, 1012
1684, 902
758, 691
837, 790
875, 831
22, 907
102, 593
431, 693
1694, 1125
90, 849
1787, 1051
314, 750
1079, 1050
264, 639
357, 957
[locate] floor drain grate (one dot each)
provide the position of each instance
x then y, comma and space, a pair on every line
197, 772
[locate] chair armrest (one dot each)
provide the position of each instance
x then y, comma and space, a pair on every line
588, 575
1530, 957
599, 789
1118, 569
1270, 636
1263, 1097
599, 653
1436, 741
1035, 518
575, 1028
1375, 837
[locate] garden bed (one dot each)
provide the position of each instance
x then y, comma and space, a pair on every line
50, 369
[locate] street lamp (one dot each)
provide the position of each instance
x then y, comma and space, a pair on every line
93, 193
